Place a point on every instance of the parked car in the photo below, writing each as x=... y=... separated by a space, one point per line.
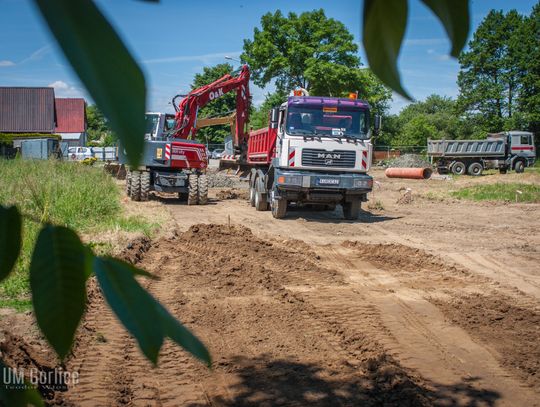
x=217 y=153
x=79 y=153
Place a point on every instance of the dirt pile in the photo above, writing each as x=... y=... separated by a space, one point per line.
x=402 y=258
x=513 y=331
x=233 y=194
x=220 y=179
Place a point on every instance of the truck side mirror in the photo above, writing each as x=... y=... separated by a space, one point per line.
x=377 y=124
x=274 y=118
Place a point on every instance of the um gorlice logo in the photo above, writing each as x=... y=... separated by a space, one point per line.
x=23 y=378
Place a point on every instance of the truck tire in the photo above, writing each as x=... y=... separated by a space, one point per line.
x=128 y=183
x=260 y=202
x=252 y=195
x=475 y=169
x=519 y=167
x=193 y=190
x=135 y=186
x=351 y=209
x=203 y=189
x=279 y=208
x=458 y=168
x=145 y=185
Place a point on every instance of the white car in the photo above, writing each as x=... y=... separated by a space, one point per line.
x=79 y=153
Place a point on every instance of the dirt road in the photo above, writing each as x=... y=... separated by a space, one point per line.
x=427 y=303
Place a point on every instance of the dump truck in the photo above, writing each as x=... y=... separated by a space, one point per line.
x=315 y=151
x=510 y=150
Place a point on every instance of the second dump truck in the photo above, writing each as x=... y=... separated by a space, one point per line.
x=510 y=150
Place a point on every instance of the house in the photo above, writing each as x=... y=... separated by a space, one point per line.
x=29 y=113
x=71 y=121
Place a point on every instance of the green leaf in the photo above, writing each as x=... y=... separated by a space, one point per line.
x=454 y=15
x=182 y=336
x=383 y=30
x=10 y=239
x=57 y=281
x=131 y=303
x=105 y=66
x=15 y=397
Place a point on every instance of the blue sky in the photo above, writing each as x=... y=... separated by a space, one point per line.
x=175 y=39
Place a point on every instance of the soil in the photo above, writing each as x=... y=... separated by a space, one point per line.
x=432 y=302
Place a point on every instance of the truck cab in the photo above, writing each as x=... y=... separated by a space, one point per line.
x=322 y=155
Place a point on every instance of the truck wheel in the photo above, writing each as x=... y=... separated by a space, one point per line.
x=351 y=210
x=458 y=168
x=260 y=202
x=193 y=190
x=279 y=208
x=145 y=185
x=128 y=183
x=519 y=167
x=135 y=186
x=475 y=169
x=252 y=193
x=203 y=189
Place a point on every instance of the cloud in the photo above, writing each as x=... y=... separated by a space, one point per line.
x=6 y=63
x=205 y=58
x=37 y=54
x=62 y=89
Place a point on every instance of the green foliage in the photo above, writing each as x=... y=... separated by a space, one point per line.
x=383 y=31
x=499 y=78
x=57 y=280
x=301 y=51
x=260 y=117
x=104 y=65
x=222 y=106
x=415 y=132
x=10 y=239
x=9 y=137
x=500 y=192
x=62 y=193
x=98 y=130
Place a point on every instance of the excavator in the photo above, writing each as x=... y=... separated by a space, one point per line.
x=173 y=162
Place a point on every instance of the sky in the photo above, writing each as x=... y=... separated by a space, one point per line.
x=174 y=39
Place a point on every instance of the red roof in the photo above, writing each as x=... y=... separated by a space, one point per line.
x=70 y=115
x=26 y=110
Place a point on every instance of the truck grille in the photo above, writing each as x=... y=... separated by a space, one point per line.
x=312 y=157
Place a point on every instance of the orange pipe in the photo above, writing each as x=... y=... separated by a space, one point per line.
x=411 y=173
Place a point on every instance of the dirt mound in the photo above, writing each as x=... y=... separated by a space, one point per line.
x=402 y=258
x=218 y=179
x=513 y=331
x=233 y=194
x=135 y=250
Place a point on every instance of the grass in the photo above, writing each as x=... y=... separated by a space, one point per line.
x=500 y=192
x=80 y=197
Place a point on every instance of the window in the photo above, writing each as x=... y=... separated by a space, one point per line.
x=525 y=140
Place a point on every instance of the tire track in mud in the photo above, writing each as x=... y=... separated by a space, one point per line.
x=283 y=330
x=424 y=339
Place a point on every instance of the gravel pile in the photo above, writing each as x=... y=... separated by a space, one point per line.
x=408 y=161
x=221 y=180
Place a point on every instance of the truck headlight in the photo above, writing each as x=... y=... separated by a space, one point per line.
x=363 y=183
x=290 y=179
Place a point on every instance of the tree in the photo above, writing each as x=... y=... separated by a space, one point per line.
x=416 y=132
x=221 y=106
x=489 y=79
x=260 y=116
x=302 y=51
x=98 y=129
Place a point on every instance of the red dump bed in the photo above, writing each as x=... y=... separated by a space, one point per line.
x=262 y=146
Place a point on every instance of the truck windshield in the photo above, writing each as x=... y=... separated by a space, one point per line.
x=332 y=121
x=152 y=121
